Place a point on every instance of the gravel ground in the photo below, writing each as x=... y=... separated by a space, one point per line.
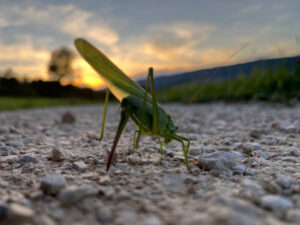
x=245 y=168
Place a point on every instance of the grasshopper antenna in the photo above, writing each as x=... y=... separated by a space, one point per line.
x=208 y=79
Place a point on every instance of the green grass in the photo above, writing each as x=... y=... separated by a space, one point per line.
x=13 y=103
x=273 y=86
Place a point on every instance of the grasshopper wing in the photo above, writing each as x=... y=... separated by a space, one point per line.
x=116 y=80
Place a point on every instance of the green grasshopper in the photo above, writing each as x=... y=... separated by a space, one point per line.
x=149 y=117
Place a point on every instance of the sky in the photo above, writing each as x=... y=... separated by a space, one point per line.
x=170 y=35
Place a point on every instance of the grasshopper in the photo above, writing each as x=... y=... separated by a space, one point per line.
x=149 y=117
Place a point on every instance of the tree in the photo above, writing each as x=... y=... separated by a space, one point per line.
x=60 y=65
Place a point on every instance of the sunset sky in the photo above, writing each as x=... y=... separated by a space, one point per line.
x=170 y=35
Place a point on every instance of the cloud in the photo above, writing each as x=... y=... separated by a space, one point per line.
x=24 y=54
x=24 y=59
x=67 y=19
x=251 y=9
x=172 y=40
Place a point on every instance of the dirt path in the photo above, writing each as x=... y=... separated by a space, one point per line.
x=245 y=168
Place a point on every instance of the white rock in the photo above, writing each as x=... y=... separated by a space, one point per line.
x=276 y=203
x=80 y=166
x=52 y=184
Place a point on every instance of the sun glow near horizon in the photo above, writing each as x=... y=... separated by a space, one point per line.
x=178 y=37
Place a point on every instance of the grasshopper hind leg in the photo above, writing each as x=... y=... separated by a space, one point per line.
x=136 y=139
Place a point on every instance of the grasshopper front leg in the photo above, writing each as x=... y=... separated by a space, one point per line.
x=122 y=123
x=103 y=119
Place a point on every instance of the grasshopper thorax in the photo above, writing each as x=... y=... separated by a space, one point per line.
x=141 y=113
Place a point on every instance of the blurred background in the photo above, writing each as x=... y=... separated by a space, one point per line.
x=183 y=40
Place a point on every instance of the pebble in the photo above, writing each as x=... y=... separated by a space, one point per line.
x=289 y=159
x=206 y=149
x=44 y=220
x=276 y=203
x=221 y=163
x=57 y=155
x=73 y=194
x=252 y=190
x=285 y=182
x=4 y=130
x=152 y=220
x=8 y=159
x=16 y=144
x=127 y=217
x=68 y=117
x=28 y=159
x=104 y=215
x=18 y=214
x=261 y=154
x=195 y=151
x=7 y=150
x=172 y=181
x=52 y=184
x=249 y=147
x=227 y=210
x=80 y=166
x=133 y=159
x=293 y=215
x=255 y=134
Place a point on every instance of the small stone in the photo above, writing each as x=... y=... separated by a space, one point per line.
x=57 y=155
x=230 y=211
x=4 y=130
x=104 y=180
x=261 y=154
x=255 y=134
x=80 y=166
x=7 y=150
x=293 y=215
x=276 y=203
x=152 y=220
x=67 y=166
x=36 y=195
x=104 y=215
x=16 y=144
x=250 y=147
x=290 y=128
x=238 y=145
x=252 y=190
x=68 y=118
x=52 y=184
x=8 y=159
x=133 y=159
x=195 y=151
x=127 y=217
x=222 y=163
x=272 y=187
x=27 y=140
x=44 y=220
x=28 y=159
x=289 y=159
x=173 y=181
x=206 y=149
x=19 y=214
x=285 y=182
x=74 y=193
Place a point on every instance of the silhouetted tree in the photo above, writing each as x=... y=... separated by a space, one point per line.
x=8 y=73
x=60 y=65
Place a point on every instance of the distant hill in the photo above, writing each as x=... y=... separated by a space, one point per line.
x=224 y=73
